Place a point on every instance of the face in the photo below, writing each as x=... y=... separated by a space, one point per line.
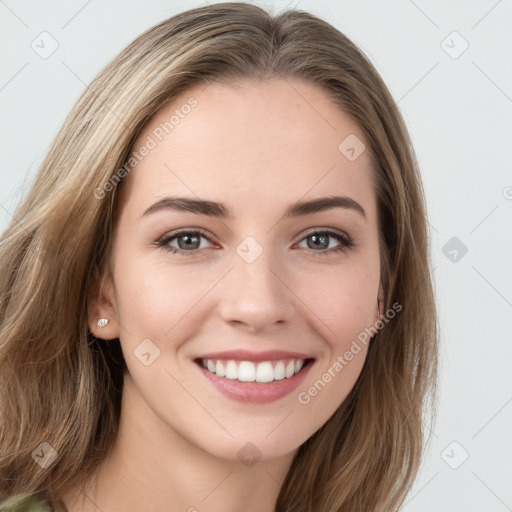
x=248 y=284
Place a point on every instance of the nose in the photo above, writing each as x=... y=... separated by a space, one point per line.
x=256 y=296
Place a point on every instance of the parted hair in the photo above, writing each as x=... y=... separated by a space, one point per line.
x=61 y=385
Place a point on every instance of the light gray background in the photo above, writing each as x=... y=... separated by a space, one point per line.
x=458 y=113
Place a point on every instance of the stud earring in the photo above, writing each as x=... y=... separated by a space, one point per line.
x=102 y=322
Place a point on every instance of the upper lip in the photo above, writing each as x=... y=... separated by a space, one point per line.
x=247 y=355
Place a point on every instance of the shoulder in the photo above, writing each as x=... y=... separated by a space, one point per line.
x=25 y=503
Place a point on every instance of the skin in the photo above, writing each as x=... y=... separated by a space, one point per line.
x=257 y=148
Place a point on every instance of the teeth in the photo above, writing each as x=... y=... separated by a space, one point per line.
x=290 y=369
x=219 y=369
x=231 y=370
x=247 y=371
x=264 y=372
x=279 y=372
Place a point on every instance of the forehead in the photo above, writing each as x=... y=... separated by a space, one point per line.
x=258 y=143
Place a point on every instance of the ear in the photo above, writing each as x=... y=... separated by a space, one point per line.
x=101 y=304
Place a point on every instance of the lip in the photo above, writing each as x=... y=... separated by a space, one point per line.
x=255 y=392
x=255 y=357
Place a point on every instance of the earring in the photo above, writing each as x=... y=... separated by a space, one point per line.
x=102 y=322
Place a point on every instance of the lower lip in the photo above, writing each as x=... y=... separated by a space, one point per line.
x=256 y=392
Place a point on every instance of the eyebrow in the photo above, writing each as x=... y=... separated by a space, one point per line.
x=220 y=210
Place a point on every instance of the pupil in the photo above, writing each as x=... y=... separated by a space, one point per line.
x=318 y=240
x=323 y=239
x=188 y=239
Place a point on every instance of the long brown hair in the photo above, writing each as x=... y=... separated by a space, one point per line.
x=60 y=386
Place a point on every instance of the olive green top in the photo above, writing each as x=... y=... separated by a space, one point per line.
x=27 y=503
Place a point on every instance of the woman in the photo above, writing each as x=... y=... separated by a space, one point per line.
x=216 y=294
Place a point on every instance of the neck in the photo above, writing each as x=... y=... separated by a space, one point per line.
x=153 y=467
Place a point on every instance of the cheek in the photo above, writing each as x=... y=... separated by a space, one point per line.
x=163 y=303
x=345 y=307
x=344 y=301
x=153 y=299
x=170 y=305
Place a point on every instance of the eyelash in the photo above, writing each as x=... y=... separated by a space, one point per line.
x=346 y=242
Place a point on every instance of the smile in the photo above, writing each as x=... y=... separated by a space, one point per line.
x=254 y=377
x=248 y=371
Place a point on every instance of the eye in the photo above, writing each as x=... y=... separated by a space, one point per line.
x=320 y=240
x=188 y=242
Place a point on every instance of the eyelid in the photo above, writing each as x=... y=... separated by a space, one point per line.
x=346 y=241
x=176 y=233
x=314 y=230
x=208 y=235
